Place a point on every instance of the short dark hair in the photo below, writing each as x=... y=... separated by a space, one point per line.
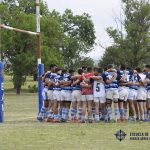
x=80 y=71
x=64 y=70
x=138 y=70
x=57 y=69
x=109 y=66
x=84 y=67
x=99 y=70
x=147 y=66
x=122 y=66
x=52 y=66
x=71 y=71
x=89 y=69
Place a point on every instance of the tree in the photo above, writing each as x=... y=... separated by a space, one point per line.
x=83 y=61
x=63 y=38
x=20 y=50
x=132 y=46
x=79 y=36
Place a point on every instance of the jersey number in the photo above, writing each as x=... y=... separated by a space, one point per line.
x=98 y=87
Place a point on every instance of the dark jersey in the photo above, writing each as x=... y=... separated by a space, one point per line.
x=124 y=74
x=148 y=77
x=66 y=77
x=57 y=80
x=50 y=77
x=108 y=76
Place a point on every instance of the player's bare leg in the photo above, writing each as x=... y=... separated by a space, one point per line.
x=136 y=105
x=141 y=110
x=84 y=107
x=145 y=111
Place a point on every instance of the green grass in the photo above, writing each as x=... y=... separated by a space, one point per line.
x=21 y=131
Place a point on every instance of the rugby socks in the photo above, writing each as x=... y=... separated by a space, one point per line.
x=89 y=119
x=79 y=113
x=73 y=113
x=145 y=116
x=97 y=119
x=49 y=114
x=83 y=118
x=93 y=112
x=109 y=112
x=116 y=114
x=65 y=113
x=100 y=113
x=56 y=116
x=142 y=117
x=43 y=112
x=60 y=112
x=121 y=110
x=125 y=113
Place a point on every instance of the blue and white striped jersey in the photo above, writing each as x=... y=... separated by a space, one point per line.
x=108 y=76
x=123 y=74
x=50 y=76
x=134 y=78
x=148 y=77
x=66 y=77
x=57 y=80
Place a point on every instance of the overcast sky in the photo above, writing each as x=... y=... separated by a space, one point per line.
x=103 y=14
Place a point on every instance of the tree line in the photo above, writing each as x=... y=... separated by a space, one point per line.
x=63 y=38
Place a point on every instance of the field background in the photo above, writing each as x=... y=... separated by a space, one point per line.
x=21 y=131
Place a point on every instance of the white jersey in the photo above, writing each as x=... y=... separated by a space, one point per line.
x=98 y=89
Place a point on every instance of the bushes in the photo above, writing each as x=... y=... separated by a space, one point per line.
x=33 y=88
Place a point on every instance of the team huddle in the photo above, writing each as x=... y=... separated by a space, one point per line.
x=87 y=95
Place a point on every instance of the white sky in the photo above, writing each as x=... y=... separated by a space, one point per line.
x=103 y=14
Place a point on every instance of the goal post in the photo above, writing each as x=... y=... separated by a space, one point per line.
x=40 y=65
x=1 y=93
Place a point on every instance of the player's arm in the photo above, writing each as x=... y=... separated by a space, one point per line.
x=49 y=83
x=76 y=77
x=83 y=84
x=146 y=81
x=75 y=82
x=65 y=83
x=97 y=78
x=112 y=70
x=109 y=81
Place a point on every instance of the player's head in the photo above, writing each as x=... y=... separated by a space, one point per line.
x=98 y=71
x=138 y=70
x=147 y=68
x=110 y=66
x=122 y=67
x=52 y=67
x=58 y=71
x=89 y=69
x=80 y=71
x=84 y=68
x=64 y=71
x=71 y=72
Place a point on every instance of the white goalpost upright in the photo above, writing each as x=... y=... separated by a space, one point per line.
x=40 y=65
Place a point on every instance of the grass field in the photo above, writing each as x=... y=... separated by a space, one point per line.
x=21 y=131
